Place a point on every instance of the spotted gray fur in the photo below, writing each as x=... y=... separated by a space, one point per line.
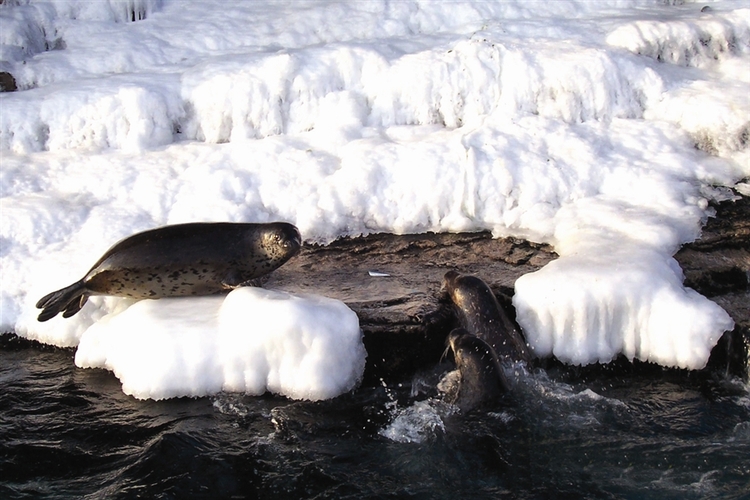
x=180 y=260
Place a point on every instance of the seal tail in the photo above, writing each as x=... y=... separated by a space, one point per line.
x=68 y=300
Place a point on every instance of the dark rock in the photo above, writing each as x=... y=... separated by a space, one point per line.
x=731 y=355
x=7 y=82
x=403 y=319
x=717 y=265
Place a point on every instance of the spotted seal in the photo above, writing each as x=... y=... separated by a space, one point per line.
x=479 y=379
x=180 y=260
x=481 y=315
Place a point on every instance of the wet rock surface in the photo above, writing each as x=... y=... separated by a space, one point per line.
x=718 y=266
x=393 y=284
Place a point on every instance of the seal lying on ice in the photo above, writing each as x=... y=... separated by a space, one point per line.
x=180 y=260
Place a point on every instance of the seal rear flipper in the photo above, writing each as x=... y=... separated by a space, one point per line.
x=75 y=306
x=69 y=299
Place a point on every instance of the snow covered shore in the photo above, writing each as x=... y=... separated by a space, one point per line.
x=601 y=128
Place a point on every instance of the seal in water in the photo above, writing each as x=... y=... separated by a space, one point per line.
x=200 y=258
x=480 y=378
x=481 y=315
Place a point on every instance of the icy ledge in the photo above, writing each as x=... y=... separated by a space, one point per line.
x=616 y=289
x=641 y=310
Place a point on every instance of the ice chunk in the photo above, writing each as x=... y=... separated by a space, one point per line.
x=251 y=340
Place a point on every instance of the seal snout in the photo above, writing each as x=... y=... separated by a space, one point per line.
x=451 y=342
x=283 y=237
x=292 y=238
x=454 y=338
x=295 y=238
x=448 y=286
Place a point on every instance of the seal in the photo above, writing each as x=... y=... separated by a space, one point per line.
x=481 y=315
x=480 y=379
x=180 y=260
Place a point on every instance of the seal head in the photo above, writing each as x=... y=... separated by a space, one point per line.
x=481 y=315
x=480 y=380
x=180 y=260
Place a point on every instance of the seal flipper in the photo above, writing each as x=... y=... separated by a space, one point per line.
x=234 y=280
x=68 y=300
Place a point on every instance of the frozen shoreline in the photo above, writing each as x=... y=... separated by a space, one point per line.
x=603 y=129
x=405 y=322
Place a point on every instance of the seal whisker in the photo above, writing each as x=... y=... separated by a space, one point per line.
x=445 y=353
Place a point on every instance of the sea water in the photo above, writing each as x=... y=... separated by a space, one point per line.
x=67 y=432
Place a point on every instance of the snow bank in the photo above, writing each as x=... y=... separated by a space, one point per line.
x=602 y=128
x=700 y=40
x=714 y=111
x=26 y=32
x=251 y=341
x=570 y=312
x=119 y=11
x=127 y=117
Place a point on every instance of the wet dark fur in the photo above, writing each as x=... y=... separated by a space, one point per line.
x=180 y=260
x=482 y=381
x=481 y=315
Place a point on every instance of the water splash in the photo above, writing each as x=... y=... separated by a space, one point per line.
x=418 y=423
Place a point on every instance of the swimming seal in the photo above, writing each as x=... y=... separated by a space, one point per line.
x=481 y=315
x=180 y=260
x=481 y=380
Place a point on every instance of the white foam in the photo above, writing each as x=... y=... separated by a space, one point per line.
x=418 y=423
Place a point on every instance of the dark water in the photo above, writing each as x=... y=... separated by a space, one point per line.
x=71 y=433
